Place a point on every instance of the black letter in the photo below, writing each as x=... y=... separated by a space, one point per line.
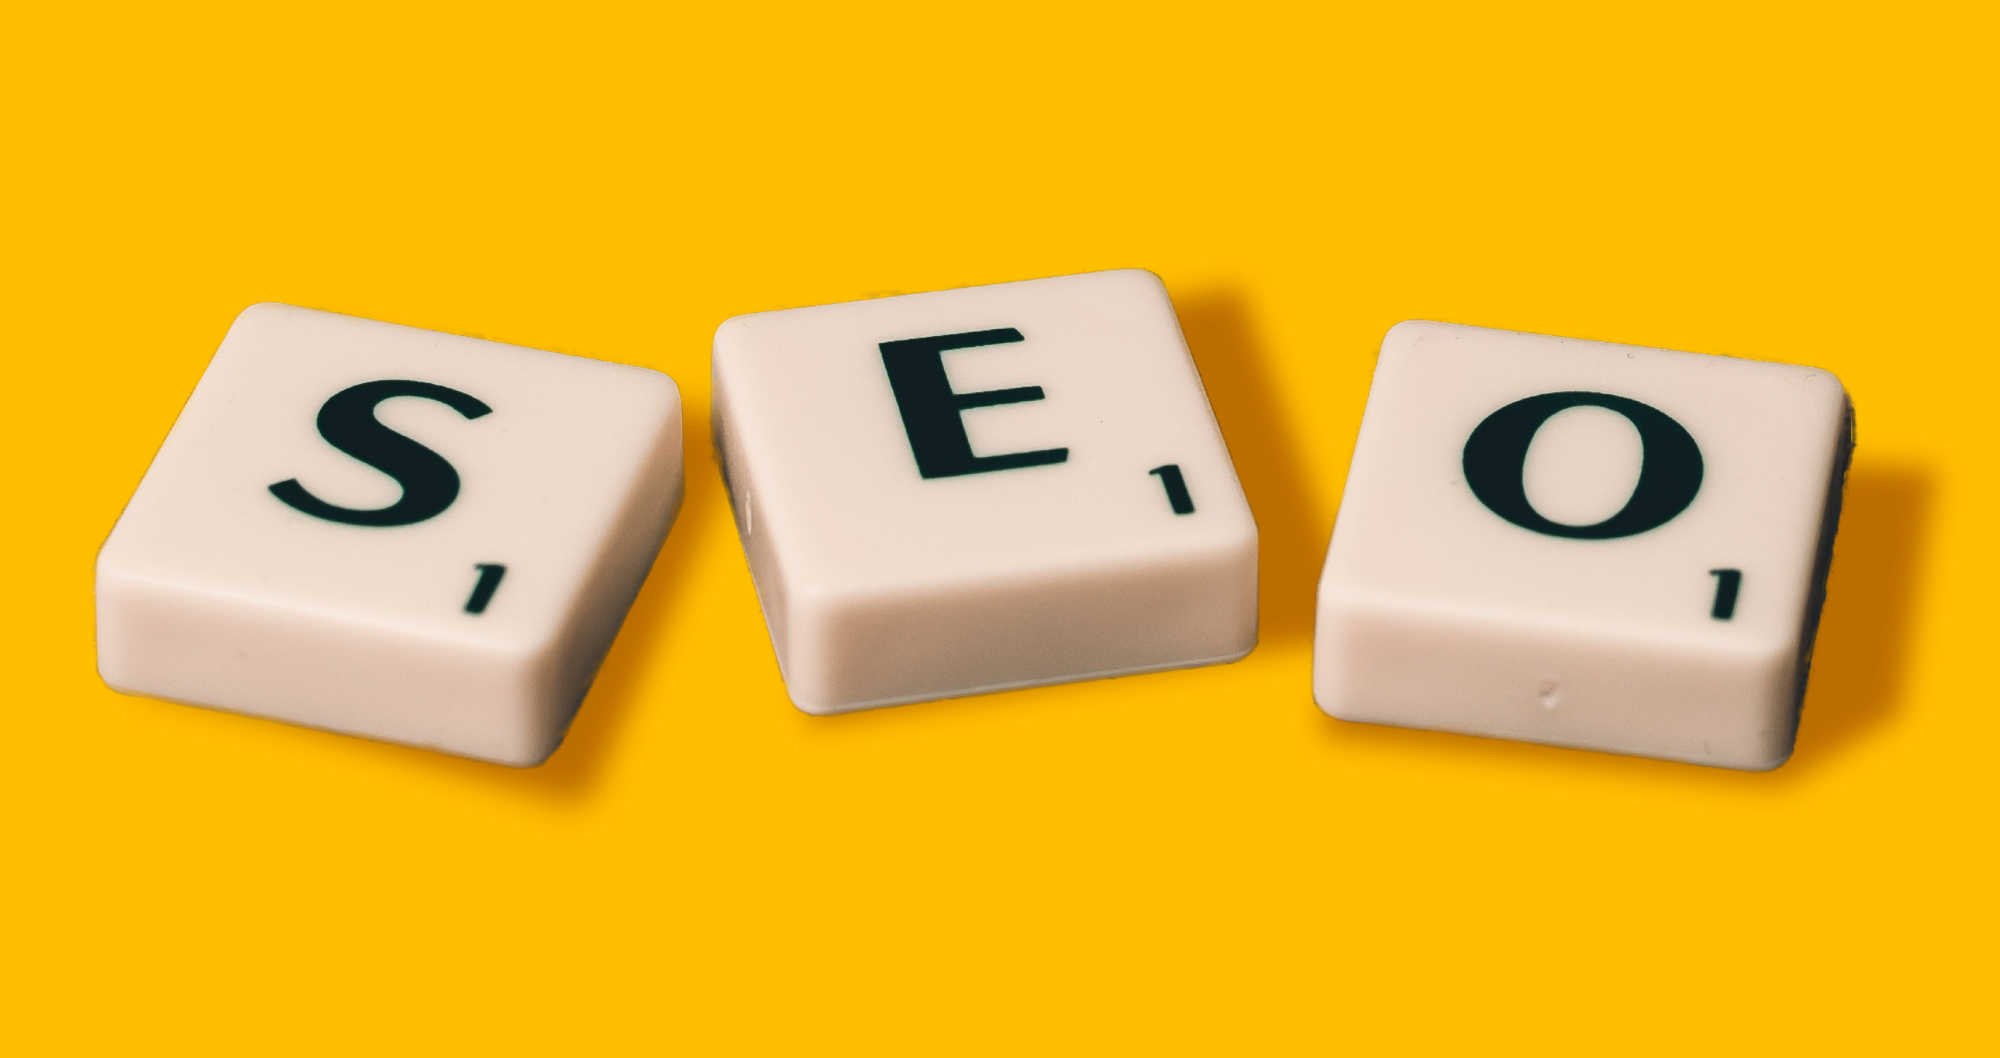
x=347 y=421
x=1669 y=470
x=931 y=410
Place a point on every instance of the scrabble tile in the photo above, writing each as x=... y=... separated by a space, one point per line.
x=390 y=532
x=1583 y=544
x=965 y=491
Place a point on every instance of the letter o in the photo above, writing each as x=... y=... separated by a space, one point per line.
x=1670 y=467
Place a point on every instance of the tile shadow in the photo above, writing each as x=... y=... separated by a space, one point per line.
x=1291 y=539
x=577 y=761
x=1860 y=658
x=573 y=769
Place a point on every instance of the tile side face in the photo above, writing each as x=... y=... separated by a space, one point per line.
x=1581 y=501
x=950 y=492
x=392 y=532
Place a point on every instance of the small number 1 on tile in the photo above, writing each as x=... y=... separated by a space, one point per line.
x=1727 y=581
x=489 y=582
x=1177 y=493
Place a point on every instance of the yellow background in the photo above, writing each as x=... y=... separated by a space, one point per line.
x=1186 y=862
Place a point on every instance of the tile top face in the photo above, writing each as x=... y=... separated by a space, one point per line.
x=973 y=435
x=366 y=470
x=1602 y=499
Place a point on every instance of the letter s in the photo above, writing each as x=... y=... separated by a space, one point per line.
x=347 y=421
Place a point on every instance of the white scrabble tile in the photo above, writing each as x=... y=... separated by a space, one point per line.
x=965 y=491
x=1584 y=544
x=390 y=532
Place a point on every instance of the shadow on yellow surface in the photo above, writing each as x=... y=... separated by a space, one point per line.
x=1864 y=632
x=576 y=763
x=1290 y=540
